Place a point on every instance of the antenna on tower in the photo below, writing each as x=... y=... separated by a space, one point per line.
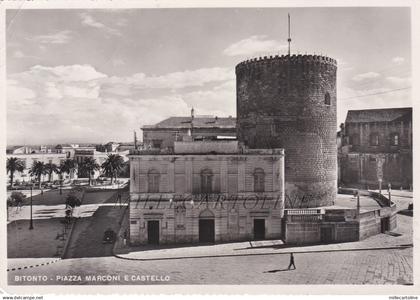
x=289 y=40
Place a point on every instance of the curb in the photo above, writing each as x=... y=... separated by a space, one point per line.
x=255 y=254
x=34 y=266
x=66 y=245
x=126 y=209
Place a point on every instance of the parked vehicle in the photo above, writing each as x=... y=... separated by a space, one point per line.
x=109 y=236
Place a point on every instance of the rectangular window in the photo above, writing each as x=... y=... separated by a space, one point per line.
x=206 y=184
x=153 y=183
x=374 y=140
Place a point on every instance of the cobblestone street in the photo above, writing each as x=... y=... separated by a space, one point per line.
x=323 y=266
x=339 y=267
x=380 y=259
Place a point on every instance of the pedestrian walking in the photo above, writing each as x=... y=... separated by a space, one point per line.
x=292 y=262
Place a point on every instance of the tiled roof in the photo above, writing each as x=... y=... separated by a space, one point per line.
x=198 y=122
x=378 y=115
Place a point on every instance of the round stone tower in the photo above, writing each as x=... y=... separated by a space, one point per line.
x=290 y=102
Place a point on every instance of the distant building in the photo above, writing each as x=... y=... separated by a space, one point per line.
x=99 y=156
x=28 y=160
x=163 y=134
x=376 y=146
x=189 y=196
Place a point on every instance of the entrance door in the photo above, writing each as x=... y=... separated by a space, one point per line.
x=153 y=232
x=259 y=229
x=385 y=224
x=326 y=234
x=206 y=231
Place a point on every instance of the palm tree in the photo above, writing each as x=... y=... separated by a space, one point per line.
x=37 y=170
x=14 y=165
x=112 y=165
x=89 y=166
x=68 y=166
x=50 y=168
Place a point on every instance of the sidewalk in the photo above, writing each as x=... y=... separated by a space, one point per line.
x=398 y=239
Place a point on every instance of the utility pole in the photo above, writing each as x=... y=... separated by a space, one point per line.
x=31 y=222
x=289 y=40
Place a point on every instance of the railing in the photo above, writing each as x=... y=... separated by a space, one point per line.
x=302 y=212
x=304 y=218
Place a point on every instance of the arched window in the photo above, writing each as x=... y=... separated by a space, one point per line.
x=327 y=99
x=153 y=178
x=206 y=181
x=395 y=139
x=259 y=180
x=374 y=139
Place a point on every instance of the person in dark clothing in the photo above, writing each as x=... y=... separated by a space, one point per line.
x=292 y=262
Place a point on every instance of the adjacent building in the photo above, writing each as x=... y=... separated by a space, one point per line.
x=206 y=191
x=163 y=134
x=376 y=148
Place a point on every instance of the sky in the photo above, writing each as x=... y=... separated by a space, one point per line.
x=97 y=75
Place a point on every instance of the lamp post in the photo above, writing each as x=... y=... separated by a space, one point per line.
x=380 y=186
x=31 y=222
x=389 y=193
x=358 y=203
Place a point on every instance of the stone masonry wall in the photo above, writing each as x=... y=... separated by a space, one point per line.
x=290 y=102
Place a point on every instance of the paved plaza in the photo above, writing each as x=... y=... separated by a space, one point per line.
x=381 y=259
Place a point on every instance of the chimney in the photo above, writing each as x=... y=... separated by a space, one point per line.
x=192 y=113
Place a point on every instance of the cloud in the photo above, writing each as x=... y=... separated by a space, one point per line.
x=399 y=82
x=398 y=60
x=371 y=98
x=18 y=54
x=175 y=80
x=117 y=62
x=343 y=65
x=81 y=104
x=67 y=73
x=88 y=20
x=364 y=76
x=61 y=37
x=254 y=44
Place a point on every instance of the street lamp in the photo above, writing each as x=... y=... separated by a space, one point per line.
x=380 y=185
x=31 y=222
x=61 y=184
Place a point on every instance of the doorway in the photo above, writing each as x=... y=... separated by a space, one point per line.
x=259 y=229
x=206 y=230
x=384 y=225
x=153 y=232
x=326 y=235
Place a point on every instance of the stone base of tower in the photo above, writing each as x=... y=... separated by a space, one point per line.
x=308 y=195
x=343 y=222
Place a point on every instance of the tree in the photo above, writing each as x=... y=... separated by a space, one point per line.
x=15 y=199
x=68 y=166
x=50 y=168
x=14 y=165
x=71 y=201
x=112 y=165
x=37 y=170
x=89 y=166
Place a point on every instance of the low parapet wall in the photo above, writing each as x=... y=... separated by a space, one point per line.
x=312 y=226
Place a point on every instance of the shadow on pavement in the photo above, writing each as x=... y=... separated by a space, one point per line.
x=406 y=212
x=275 y=271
